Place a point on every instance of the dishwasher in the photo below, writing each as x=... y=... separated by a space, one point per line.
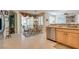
x=51 y=34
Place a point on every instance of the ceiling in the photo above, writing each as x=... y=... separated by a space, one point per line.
x=61 y=12
x=53 y=12
x=32 y=11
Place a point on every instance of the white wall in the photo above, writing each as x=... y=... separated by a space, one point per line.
x=18 y=22
x=46 y=18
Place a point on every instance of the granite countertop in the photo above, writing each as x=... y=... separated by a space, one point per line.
x=65 y=27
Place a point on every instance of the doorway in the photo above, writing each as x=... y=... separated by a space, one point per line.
x=12 y=22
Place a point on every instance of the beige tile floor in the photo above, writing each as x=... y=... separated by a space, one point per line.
x=39 y=41
x=18 y=41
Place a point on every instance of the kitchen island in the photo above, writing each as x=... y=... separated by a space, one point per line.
x=63 y=34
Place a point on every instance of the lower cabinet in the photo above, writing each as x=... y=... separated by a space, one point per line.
x=74 y=40
x=61 y=37
x=68 y=38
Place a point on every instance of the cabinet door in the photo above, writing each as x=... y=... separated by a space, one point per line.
x=61 y=36
x=74 y=40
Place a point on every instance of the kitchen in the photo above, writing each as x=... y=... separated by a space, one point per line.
x=66 y=31
x=40 y=29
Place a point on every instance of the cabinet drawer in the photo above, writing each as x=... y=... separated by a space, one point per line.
x=69 y=30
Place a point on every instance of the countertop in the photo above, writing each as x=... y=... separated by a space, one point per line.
x=64 y=27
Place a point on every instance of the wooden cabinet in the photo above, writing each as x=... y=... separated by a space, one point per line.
x=61 y=37
x=74 y=40
x=67 y=37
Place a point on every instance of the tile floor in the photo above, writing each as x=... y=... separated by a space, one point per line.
x=18 y=41
x=39 y=41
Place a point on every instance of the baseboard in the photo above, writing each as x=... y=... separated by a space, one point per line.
x=62 y=43
x=51 y=40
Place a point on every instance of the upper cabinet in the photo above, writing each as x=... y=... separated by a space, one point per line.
x=77 y=18
x=71 y=19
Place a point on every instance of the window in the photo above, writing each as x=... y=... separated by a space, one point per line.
x=41 y=20
x=60 y=19
x=28 y=22
x=51 y=19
